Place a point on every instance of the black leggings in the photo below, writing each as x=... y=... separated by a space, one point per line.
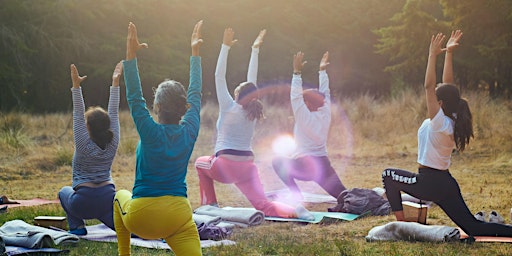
x=441 y=188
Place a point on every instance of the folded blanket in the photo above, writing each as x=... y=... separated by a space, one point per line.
x=207 y=220
x=239 y=216
x=413 y=231
x=19 y=233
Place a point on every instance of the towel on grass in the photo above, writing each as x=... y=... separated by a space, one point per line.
x=22 y=234
x=413 y=231
x=207 y=220
x=102 y=233
x=242 y=217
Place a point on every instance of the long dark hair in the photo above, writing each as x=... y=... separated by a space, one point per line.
x=249 y=99
x=98 y=125
x=170 y=102
x=457 y=109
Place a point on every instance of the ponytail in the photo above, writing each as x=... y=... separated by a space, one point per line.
x=254 y=109
x=463 y=130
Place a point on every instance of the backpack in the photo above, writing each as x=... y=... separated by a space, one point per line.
x=360 y=200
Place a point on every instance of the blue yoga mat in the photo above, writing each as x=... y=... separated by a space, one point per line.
x=323 y=217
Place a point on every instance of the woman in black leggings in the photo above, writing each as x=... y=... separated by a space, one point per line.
x=449 y=126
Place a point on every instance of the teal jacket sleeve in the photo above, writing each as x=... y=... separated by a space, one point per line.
x=192 y=116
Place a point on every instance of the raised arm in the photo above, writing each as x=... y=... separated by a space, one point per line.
x=113 y=102
x=196 y=39
x=80 y=133
x=221 y=85
x=452 y=43
x=252 y=72
x=296 y=98
x=323 y=78
x=195 y=82
x=430 y=74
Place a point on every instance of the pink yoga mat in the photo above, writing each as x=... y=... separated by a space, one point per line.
x=31 y=202
x=496 y=239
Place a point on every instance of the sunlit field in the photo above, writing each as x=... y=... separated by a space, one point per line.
x=366 y=136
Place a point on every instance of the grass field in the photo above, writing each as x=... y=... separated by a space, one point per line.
x=366 y=136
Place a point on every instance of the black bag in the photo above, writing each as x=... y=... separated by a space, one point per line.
x=360 y=200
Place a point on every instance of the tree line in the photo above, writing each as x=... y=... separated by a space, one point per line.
x=376 y=47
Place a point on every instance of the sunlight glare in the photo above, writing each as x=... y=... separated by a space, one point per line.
x=284 y=145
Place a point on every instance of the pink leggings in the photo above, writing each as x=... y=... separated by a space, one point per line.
x=244 y=174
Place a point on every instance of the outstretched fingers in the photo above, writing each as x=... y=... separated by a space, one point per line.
x=453 y=42
x=229 y=35
x=325 y=61
x=117 y=74
x=435 y=43
x=76 y=79
x=132 y=42
x=196 y=40
x=259 y=40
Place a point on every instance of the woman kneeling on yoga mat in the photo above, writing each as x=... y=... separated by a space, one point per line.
x=159 y=207
x=96 y=136
x=449 y=126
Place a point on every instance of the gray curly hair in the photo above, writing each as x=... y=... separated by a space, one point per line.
x=170 y=102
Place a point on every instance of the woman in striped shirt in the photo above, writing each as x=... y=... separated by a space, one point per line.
x=96 y=137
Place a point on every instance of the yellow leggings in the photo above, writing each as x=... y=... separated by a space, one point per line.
x=167 y=217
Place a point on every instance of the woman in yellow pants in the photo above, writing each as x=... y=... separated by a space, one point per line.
x=159 y=207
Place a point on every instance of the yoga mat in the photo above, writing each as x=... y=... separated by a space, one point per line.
x=323 y=217
x=281 y=195
x=15 y=250
x=32 y=202
x=495 y=239
x=102 y=233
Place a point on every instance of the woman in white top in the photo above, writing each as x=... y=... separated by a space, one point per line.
x=449 y=126
x=233 y=161
x=312 y=113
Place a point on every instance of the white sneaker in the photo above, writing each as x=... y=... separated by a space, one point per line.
x=496 y=217
x=480 y=216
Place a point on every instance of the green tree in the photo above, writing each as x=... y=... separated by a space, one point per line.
x=406 y=41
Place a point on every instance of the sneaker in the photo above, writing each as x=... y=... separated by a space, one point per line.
x=496 y=217
x=78 y=231
x=480 y=216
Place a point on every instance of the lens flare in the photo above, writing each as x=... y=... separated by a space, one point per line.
x=284 y=145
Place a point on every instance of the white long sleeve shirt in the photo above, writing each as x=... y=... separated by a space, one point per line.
x=311 y=128
x=234 y=130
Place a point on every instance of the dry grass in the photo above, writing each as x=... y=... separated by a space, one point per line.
x=367 y=135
